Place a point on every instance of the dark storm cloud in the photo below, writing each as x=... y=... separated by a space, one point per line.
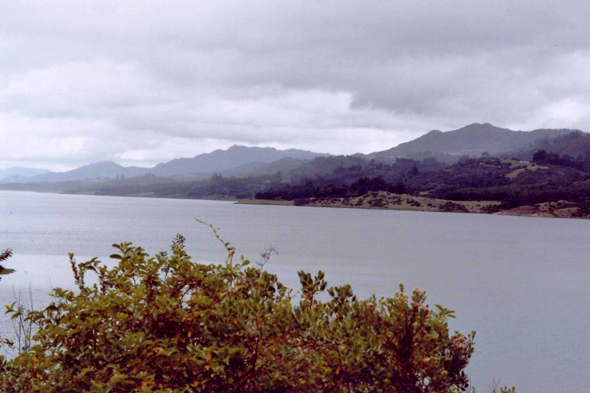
x=146 y=81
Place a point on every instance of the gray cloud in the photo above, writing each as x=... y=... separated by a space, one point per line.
x=142 y=82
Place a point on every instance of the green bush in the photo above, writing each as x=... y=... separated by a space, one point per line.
x=167 y=324
x=4 y=255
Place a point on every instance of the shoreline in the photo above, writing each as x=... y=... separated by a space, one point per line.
x=382 y=200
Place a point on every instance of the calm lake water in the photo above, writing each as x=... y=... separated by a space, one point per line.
x=522 y=283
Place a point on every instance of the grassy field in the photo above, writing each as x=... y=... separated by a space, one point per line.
x=520 y=166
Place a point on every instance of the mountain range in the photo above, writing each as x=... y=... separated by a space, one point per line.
x=472 y=140
x=241 y=161
x=217 y=161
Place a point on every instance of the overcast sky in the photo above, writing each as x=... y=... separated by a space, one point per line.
x=146 y=81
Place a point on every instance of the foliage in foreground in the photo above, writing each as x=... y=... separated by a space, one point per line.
x=172 y=325
x=4 y=255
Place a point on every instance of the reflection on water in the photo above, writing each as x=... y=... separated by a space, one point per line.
x=521 y=283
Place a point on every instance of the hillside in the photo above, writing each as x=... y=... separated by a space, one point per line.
x=284 y=165
x=576 y=144
x=488 y=185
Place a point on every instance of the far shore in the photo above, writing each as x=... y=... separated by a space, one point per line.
x=388 y=201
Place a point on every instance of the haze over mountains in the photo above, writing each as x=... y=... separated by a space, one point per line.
x=19 y=174
x=217 y=161
x=471 y=140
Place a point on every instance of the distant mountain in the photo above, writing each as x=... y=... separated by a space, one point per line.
x=471 y=140
x=107 y=169
x=17 y=174
x=198 y=167
x=222 y=160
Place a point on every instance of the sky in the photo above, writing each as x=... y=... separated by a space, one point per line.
x=146 y=81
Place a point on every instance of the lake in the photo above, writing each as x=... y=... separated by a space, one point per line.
x=522 y=283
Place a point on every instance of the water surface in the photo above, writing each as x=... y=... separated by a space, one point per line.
x=521 y=283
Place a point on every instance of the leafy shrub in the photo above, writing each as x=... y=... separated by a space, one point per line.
x=4 y=255
x=168 y=324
